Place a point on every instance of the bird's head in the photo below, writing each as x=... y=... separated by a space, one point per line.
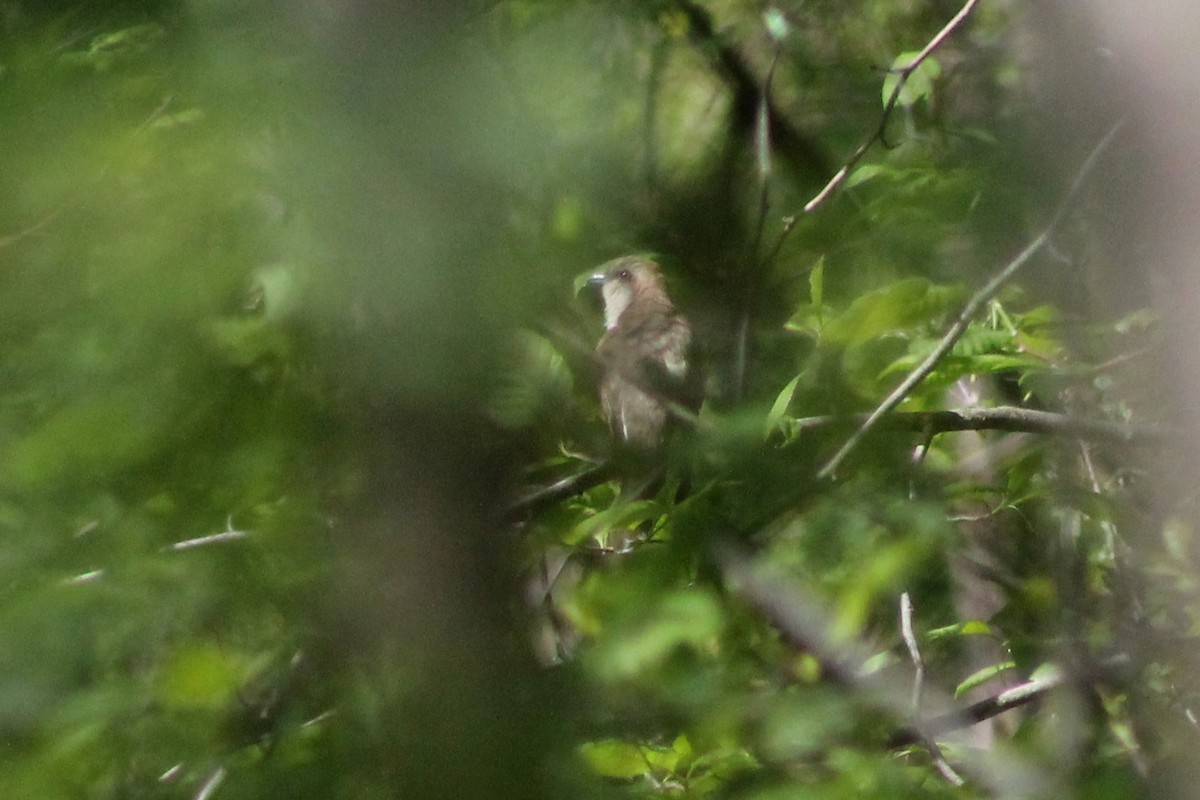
x=623 y=279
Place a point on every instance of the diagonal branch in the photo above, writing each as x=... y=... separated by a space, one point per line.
x=881 y=130
x=571 y=486
x=977 y=301
x=1013 y=697
x=878 y=136
x=800 y=621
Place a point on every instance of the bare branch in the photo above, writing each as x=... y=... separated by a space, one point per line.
x=914 y=652
x=985 y=709
x=1001 y=418
x=570 y=486
x=1013 y=697
x=212 y=783
x=799 y=619
x=973 y=306
x=203 y=541
x=881 y=131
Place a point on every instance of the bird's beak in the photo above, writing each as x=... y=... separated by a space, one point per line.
x=590 y=286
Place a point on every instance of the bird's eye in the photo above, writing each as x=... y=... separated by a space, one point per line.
x=624 y=275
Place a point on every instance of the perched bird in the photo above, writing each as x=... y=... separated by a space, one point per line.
x=646 y=377
x=647 y=374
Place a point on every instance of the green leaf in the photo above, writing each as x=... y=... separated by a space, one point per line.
x=919 y=85
x=568 y=218
x=777 y=24
x=95 y=436
x=199 y=676
x=951 y=369
x=244 y=341
x=816 y=283
x=620 y=516
x=580 y=281
x=892 y=308
x=805 y=722
x=972 y=627
x=537 y=383
x=982 y=676
x=863 y=174
x=780 y=407
x=613 y=758
x=689 y=618
x=1046 y=672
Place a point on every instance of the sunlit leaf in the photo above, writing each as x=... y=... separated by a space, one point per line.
x=919 y=85
x=689 y=618
x=779 y=408
x=613 y=758
x=199 y=676
x=982 y=676
x=895 y=307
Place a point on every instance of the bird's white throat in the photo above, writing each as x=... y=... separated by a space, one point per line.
x=616 y=299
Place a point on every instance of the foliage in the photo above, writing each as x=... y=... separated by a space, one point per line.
x=289 y=319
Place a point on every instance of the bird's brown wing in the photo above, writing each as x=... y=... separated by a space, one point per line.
x=648 y=373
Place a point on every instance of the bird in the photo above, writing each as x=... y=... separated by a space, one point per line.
x=648 y=375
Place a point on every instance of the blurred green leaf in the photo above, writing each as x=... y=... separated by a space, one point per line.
x=199 y=676
x=780 y=407
x=896 y=307
x=982 y=676
x=689 y=618
x=919 y=85
x=612 y=758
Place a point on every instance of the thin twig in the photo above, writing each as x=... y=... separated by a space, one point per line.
x=212 y=783
x=905 y=73
x=1123 y=358
x=977 y=301
x=203 y=541
x=880 y=132
x=914 y=652
x=799 y=619
x=13 y=238
x=985 y=709
x=762 y=148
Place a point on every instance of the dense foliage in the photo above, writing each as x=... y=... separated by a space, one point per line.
x=304 y=489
